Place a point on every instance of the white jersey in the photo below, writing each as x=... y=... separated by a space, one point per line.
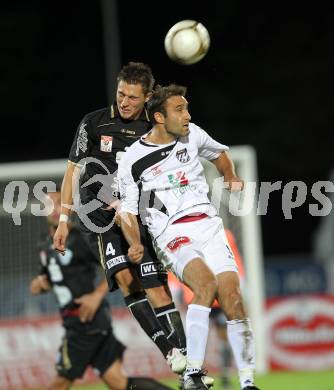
x=163 y=183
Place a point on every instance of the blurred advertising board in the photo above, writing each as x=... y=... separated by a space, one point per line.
x=28 y=351
x=300 y=332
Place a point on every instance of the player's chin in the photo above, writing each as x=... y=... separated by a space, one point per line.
x=186 y=133
x=127 y=114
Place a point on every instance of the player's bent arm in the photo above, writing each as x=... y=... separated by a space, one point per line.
x=128 y=210
x=130 y=227
x=225 y=166
x=130 y=230
x=69 y=182
x=89 y=303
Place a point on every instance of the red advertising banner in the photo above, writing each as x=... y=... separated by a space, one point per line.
x=28 y=350
x=300 y=332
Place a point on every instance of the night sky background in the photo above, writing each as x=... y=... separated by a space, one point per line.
x=266 y=81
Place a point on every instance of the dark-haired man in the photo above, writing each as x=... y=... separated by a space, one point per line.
x=188 y=234
x=88 y=338
x=101 y=139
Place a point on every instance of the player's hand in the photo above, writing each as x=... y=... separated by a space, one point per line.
x=113 y=205
x=118 y=219
x=136 y=253
x=89 y=303
x=234 y=183
x=39 y=284
x=60 y=237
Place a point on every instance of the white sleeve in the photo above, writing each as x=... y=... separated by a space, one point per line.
x=128 y=188
x=208 y=148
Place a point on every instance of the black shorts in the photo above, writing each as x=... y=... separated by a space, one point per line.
x=111 y=249
x=80 y=350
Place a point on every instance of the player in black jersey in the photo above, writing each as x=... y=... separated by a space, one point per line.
x=88 y=339
x=100 y=141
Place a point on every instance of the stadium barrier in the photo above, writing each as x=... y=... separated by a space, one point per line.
x=29 y=350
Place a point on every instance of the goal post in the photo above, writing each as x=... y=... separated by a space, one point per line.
x=247 y=232
x=18 y=253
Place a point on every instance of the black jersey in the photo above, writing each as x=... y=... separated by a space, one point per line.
x=72 y=276
x=101 y=139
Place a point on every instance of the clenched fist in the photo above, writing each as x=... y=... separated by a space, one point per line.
x=136 y=253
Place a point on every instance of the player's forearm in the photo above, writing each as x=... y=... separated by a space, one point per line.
x=130 y=228
x=225 y=165
x=70 y=180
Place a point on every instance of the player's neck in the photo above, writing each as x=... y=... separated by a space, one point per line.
x=160 y=136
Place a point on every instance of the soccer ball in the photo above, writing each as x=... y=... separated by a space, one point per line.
x=187 y=42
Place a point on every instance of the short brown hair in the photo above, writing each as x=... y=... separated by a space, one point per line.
x=137 y=73
x=157 y=102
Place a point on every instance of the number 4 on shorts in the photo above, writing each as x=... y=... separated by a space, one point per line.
x=110 y=249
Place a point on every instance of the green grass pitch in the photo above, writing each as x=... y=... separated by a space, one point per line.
x=323 y=380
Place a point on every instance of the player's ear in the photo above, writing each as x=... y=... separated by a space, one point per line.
x=148 y=96
x=159 y=117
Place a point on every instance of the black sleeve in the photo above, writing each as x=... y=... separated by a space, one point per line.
x=43 y=269
x=41 y=250
x=83 y=141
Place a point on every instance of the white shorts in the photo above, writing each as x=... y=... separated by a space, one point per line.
x=205 y=238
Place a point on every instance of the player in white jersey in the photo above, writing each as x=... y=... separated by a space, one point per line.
x=162 y=179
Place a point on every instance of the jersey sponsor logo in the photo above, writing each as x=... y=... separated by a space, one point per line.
x=106 y=143
x=115 y=261
x=182 y=155
x=127 y=131
x=156 y=170
x=158 y=334
x=82 y=140
x=166 y=153
x=152 y=269
x=175 y=244
x=179 y=179
x=180 y=184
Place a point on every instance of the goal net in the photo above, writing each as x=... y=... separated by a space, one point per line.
x=21 y=230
